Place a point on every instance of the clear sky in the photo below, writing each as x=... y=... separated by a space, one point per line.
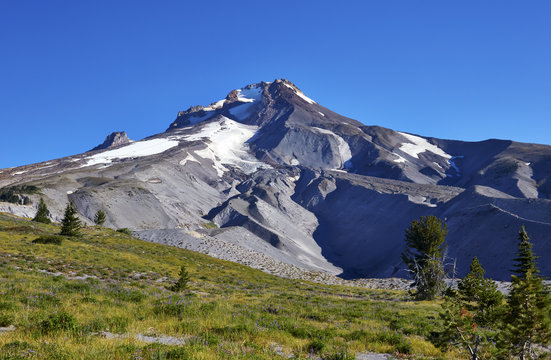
x=71 y=71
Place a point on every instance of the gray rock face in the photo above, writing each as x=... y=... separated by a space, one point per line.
x=284 y=180
x=112 y=140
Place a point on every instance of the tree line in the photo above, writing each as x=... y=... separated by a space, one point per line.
x=70 y=224
x=476 y=316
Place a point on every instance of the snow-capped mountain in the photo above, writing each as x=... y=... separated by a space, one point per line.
x=287 y=180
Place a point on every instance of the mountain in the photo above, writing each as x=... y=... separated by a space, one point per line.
x=268 y=177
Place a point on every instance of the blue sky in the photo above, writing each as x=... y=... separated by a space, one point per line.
x=71 y=72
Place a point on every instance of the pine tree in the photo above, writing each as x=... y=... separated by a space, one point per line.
x=181 y=284
x=99 y=218
x=480 y=295
x=527 y=318
x=70 y=225
x=471 y=314
x=42 y=215
x=425 y=241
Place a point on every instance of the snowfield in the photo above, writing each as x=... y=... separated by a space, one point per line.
x=134 y=150
x=226 y=142
x=419 y=145
x=243 y=111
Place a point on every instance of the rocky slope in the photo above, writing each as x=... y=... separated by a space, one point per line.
x=286 y=179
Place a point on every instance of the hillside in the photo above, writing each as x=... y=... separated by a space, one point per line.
x=270 y=178
x=104 y=295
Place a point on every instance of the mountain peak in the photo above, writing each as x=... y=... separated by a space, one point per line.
x=112 y=140
x=244 y=104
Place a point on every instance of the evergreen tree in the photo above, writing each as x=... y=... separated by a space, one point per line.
x=70 y=225
x=527 y=318
x=42 y=215
x=181 y=284
x=99 y=218
x=471 y=314
x=480 y=295
x=424 y=255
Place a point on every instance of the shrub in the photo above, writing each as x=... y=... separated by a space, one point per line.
x=48 y=239
x=316 y=346
x=404 y=347
x=179 y=352
x=210 y=225
x=60 y=321
x=126 y=295
x=6 y=306
x=97 y=324
x=339 y=355
x=125 y=231
x=6 y=320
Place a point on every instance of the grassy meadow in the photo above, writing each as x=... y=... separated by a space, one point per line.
x=104 y=295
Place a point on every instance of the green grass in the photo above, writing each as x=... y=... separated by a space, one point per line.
x=63 y=298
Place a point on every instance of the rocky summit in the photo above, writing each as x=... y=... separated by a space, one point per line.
x=112 y=140
x=272 y=179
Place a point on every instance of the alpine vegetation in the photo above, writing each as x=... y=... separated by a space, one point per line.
x=424 y=256
x=71 y=224
x=527 y=321
x=42 y=214
x=99 y=218
x=310 y=207
x=471 y=315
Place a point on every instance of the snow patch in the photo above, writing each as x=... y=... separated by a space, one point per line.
x=294 y=162
x=241 y=112
x=300 y=94
x=528 y=163
x=399 y=159
x=45 y=167
x=421 y=200
x=226 y=142
x=418 y=145
x=344 y=148
x=215 y=106
x=19 y=172
x=322 y=114
x=189 y=157
x=137 y=149
x=249 y=95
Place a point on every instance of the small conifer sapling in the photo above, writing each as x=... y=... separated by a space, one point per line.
x=99 y=218
x=42 y=215
x=182 y=282
x=70 y=225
